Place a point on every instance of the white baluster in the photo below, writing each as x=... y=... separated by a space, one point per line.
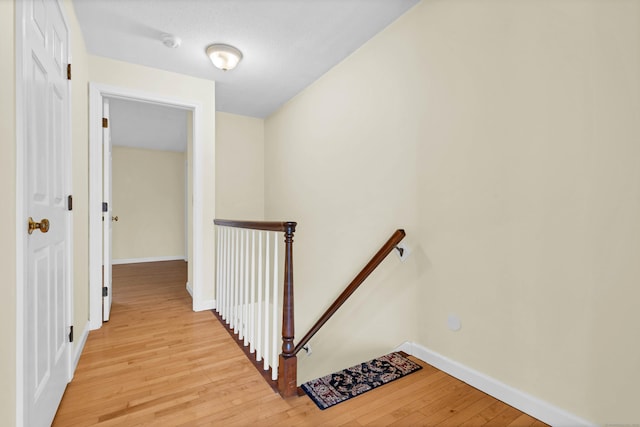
x=274 y=330
x=242 y=261
x=218 y=268
x=245 y=306
x=267 y=278
x=225 y=271
x=252 y=324
x=229 y=275
x=236 y=283
x=231 y=272
x=230 y=320
x=259 y=301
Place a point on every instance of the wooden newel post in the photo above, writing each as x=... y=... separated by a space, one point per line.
x=288 y=366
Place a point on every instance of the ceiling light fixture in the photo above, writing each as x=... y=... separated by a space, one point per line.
x=223 y=56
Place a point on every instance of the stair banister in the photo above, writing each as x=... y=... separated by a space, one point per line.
x=287 y=360
x=287 y=366
x=385 y=250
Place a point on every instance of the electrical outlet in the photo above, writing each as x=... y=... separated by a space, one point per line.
x=453 y=322
x=307 y=348
x=403 y=251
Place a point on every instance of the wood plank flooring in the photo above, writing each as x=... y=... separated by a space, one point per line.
x=156 y=362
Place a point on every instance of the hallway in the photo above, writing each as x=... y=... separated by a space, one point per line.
x=156 y=362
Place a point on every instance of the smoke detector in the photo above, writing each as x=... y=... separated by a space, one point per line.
x=171 y=41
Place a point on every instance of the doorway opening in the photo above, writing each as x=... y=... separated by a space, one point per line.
x=192 y=217
x=148 y=180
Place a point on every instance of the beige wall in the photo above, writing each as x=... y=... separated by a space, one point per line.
x=8 y=213
x=176 y=86
x=149 y=199
x=239 y=167
x=338 y=163
x=504 y=137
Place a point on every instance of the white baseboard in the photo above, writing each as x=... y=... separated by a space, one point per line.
x=518 y=399
x=200 y=305
x=204 y=305
x=150 y=259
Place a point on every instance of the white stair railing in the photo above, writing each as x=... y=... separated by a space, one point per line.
x=247 y=289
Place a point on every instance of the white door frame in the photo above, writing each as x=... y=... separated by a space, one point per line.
x=107 y=222
x=96 y=93
x=21 y=215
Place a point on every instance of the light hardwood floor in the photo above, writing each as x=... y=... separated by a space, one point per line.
x=156 y=362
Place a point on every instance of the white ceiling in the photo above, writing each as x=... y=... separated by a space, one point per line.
x=287 y=44
x=149 y=126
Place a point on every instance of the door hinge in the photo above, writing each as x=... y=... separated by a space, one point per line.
x=105 y=207
x=71 y=333
x=68 y=71
x=70 y=203
x=105 y=291
x=105 y=122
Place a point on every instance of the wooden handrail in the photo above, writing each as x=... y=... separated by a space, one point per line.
x=257 y=225
x=385 y=250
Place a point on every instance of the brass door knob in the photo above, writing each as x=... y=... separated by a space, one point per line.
x=114 y=218
x=42 y=225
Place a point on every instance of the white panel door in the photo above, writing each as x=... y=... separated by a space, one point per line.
x=46 y=187
x=107 y=219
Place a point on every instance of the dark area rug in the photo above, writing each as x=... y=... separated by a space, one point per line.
x=351 y=382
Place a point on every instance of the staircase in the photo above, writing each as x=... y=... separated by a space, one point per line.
x=248 y=294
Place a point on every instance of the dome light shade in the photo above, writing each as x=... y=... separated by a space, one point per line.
x=223 y=56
